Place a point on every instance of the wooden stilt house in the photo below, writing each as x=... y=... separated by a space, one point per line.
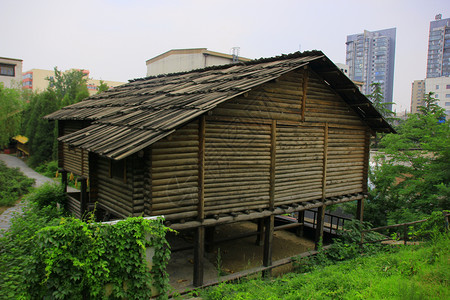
x=223 y=144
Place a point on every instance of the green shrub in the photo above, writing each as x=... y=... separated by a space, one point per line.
x=13 y=185
x=48 y=169
x=49 y=194
x=47 y=255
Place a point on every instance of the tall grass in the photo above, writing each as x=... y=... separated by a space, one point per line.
x=411 y=272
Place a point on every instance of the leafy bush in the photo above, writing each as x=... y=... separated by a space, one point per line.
x=47 y=255
x=13 y=185
x=48 y=194
x=48 y=169
x=343 y=248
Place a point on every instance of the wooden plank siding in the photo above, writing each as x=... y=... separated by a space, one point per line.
x=247 y=137
x=113 y=193
x=74 y=160
x=174 y=173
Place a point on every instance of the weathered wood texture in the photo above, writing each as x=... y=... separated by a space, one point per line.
x=113 y=193
x=247 y=137
x=74 y=160
x=174 y=173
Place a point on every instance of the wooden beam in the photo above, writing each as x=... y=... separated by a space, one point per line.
x=260 y=235
x=360 y=210
x=273 y=154
x=83 y=196
x=201 y=168
x=199 y=252
x=360 y=104
x=300 y=220
x=325 y=161
x=304 y=87
x=319 y=226
x=209 y=237
x=268 y=241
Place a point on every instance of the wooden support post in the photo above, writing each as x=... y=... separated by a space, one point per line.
x=199 y=252
x=319 y=227
x=300 y=219
x=63 y=179
x=325 y=162
x=366 y=161
x=305 y=88
x=268 y=240
x=201 y=168
x=273 y=154
x=260 y=235
x=209 y=236
x=83 y=196
x=360 y=210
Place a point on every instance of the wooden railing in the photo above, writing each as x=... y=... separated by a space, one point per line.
x=331 y=222
x=404 y=230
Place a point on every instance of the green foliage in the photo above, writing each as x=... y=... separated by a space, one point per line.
x=408 y=273
x=11 y=106
x=377 y=99
x=48 y=195
x=48 y=169
x=13 y=185
x=41 y=133
x=343 y=248
x=433 y=227
x=17 y=249
x=102 y=87
x=70 y=87
x=412 y=175
x=47 y=255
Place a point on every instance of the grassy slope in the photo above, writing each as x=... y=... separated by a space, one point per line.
x=413 y=272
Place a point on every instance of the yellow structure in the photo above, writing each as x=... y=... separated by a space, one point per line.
x=35 y=80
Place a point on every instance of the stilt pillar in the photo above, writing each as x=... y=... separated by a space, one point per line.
x=268 y=241
x=260 y=235
x=199 y=252
x=360 y=210
x=300 y=219
x=319 y=226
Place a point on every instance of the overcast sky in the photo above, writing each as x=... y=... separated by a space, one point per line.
x=114 y=38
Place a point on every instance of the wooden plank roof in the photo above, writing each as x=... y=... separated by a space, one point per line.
x=133 y=116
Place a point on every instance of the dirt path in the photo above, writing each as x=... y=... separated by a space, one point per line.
x=14 y=162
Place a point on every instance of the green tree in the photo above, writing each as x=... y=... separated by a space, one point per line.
x=70 y=87
x=41 y=133
x=376 y=97
x=102 y=87
x=11 y=106
x=412 y=177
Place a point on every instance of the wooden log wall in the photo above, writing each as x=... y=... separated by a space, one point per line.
x=174 y=173
x=237 y=166
x=299 y=164
x=301 y=129
x=115 y=194
x=74 y=160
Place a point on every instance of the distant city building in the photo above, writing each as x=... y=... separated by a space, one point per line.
x=440 y=86
x=10 y=71
x=370 y=57
x=36 y=80
x=417 y=95
x=438 y=61
x=181 y=60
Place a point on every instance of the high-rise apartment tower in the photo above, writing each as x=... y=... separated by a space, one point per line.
x=371 y=57
x=438 y=62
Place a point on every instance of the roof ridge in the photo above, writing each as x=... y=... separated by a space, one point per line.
x=281 y=57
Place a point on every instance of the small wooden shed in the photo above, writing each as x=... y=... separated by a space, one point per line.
x=223 y=144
